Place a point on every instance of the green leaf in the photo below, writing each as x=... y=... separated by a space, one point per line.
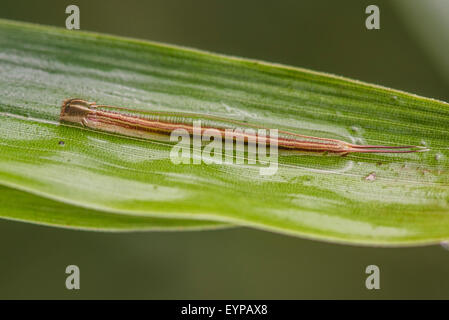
x=24 y=206
x=405 y=202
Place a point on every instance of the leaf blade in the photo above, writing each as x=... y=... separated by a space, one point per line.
x=313 y=196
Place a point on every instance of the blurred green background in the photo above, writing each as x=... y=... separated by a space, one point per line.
x=324 y=35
